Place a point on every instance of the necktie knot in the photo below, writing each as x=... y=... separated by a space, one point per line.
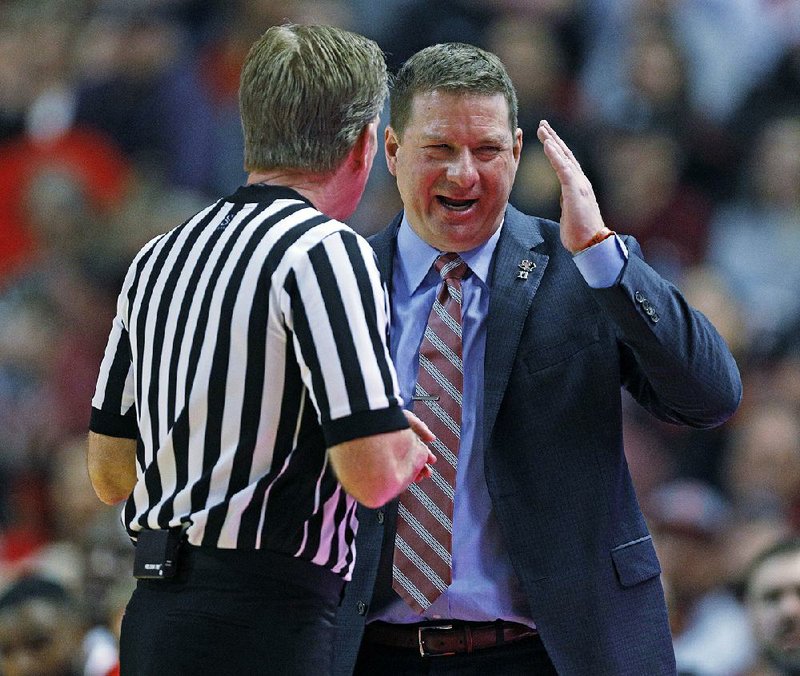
x=451 y=266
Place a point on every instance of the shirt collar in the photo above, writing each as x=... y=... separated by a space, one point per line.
x=416 y=256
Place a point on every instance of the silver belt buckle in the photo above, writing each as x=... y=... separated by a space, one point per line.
x=421 y=630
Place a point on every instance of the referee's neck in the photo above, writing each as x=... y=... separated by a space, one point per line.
x=335 y=193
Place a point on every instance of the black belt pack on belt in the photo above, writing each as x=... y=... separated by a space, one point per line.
x=156 y=556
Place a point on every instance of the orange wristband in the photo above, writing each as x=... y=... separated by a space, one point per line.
x=599 y=236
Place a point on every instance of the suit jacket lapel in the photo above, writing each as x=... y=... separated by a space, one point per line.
x=384 y=243
x=510 y=299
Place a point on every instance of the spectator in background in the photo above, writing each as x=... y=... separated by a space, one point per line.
x=772 y=597
x=143 y=92
x=426 y=22
x=746 y=538
x=41 y=629
x=107 y=634
x=690 y=521
x=763 y=466
x=88 y=550
x=776 y=95
x=653 y=90
x=644 y=83
x=81 y=547
x=754 y=239
x=727 y=45
x=41 y=55
x=55 y=333
x=38 y=43
x=83 y=156
x=644 y=193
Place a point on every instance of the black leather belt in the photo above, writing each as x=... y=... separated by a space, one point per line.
x=448 y=637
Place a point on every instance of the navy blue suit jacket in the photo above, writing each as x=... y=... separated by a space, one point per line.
x=557 y=352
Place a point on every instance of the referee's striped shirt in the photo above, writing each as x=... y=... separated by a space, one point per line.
x=246 y=341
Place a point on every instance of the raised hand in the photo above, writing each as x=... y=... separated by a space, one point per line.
x=581 y=222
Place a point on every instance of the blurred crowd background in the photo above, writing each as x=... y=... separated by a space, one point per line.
x=119 y=119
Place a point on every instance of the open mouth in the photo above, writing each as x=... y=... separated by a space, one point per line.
x=790 y=640
x=455 y=205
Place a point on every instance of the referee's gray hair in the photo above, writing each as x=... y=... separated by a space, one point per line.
x=452 y=67
x=305 y=94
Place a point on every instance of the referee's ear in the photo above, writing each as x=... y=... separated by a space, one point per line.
x=363 y=151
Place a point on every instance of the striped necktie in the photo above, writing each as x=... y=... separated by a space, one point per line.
x=422 y=563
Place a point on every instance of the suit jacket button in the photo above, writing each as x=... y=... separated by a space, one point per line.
x=654 y=318
x=639 y=297
x=380 y=516
x=361 y=607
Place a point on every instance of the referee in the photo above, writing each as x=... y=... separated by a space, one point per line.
x=246 y=398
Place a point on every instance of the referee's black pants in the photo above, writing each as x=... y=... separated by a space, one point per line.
x=232 y=612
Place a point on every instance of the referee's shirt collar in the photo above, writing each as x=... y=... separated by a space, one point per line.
x=261 y=192
x=416 y=256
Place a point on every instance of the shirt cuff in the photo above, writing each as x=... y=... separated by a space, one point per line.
x=364 y=424
x=114 y=424
x=602 y=263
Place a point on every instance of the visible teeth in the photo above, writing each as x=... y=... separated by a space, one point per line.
x=458 y=205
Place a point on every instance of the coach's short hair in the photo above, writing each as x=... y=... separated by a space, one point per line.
x=305 y=94
x=452 y=67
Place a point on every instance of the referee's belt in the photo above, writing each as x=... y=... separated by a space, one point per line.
x=451 y=637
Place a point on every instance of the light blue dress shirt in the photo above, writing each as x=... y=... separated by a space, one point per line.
x=484 y=586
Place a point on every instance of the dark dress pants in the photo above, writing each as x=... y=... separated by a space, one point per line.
x=217 y=618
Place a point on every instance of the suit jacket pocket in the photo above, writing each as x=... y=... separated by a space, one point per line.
x=635 y=561
x=540 y=358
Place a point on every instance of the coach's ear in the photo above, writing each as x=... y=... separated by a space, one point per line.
x=391 y=146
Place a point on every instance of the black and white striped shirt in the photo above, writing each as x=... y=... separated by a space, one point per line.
x=246 y=341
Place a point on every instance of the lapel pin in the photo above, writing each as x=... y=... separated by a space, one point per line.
x=525 y=267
